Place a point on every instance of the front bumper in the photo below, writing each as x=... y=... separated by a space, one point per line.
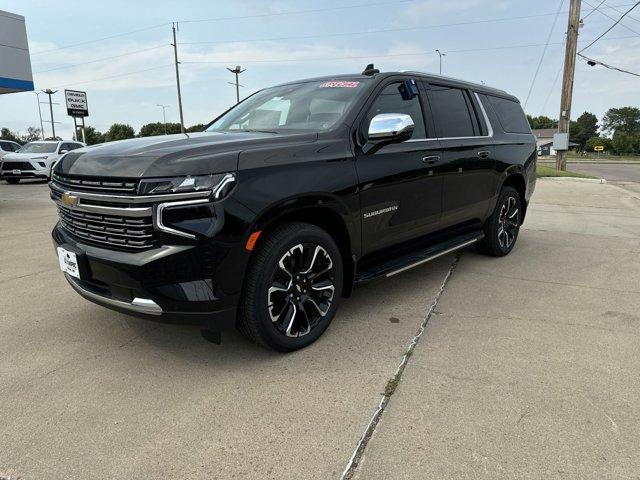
x=10 y=169
x=195 y=284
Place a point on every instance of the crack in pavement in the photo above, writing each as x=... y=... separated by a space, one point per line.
x=392 y=384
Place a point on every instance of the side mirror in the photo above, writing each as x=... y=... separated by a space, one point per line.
x=387 y=128
x=63 y=151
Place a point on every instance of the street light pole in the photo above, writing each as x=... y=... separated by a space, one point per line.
x=50 y=92
x=164 y=116
x=440 y=54
x=238 y=70
x=40 y=114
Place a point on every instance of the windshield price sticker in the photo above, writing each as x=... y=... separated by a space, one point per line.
x=339 y=84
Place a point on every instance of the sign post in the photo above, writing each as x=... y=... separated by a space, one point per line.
x=77 y=107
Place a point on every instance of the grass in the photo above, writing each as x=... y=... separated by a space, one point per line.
x=603 y=157
x=544 y=171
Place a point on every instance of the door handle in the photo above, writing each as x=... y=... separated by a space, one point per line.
x=431 y=159
x=484 y=153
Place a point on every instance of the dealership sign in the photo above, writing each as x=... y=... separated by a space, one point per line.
x=77 y=105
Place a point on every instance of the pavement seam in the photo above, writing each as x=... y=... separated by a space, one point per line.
x=392 y=383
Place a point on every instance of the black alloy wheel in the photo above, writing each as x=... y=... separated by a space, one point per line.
x=292 y=287
x=509 y=222
x=302 y=289
x=502 y=228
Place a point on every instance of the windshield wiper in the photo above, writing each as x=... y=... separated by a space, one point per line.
x=258 y=131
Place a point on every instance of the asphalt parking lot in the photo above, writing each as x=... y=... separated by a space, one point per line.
x=528 y=367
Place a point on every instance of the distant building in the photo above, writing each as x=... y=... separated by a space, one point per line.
x=544 y=141
x=15 y=63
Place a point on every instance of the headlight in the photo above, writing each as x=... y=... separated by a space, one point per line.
x=39 y=158
x=219 y=184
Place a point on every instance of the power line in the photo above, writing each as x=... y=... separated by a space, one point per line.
x=544 y=51
x=294 y=12
x=594 y=9
x=101 y=39
x=115 y=76
x=366 y=32
x=553 y=86
x=97 y=60
x=612 y=18
x=593 y=62
x=610 y=28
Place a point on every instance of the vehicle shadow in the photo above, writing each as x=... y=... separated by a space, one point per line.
x=382 y=315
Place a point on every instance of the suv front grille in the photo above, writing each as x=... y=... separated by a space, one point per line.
x=8 y=165
x=89 y=184
x=117 y=231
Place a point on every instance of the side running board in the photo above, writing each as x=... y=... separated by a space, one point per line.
x=394 y=266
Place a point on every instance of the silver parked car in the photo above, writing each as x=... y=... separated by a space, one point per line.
x=34 y=160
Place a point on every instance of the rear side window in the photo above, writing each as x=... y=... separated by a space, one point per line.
x=510 y=114
x=451 y=108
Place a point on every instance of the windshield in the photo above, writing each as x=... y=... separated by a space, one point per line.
x=313 y=106
x=38 y=147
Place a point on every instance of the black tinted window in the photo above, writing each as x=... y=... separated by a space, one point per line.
x=510 y=115
x=390 y=101
x=451 y=111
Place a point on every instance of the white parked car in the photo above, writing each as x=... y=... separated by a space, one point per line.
x=7 y=146
x=34 y=160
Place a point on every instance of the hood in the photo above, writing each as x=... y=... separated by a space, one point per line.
x=26 y=156
x=172 y=155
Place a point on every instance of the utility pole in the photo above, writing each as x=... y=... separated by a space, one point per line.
x=50 y=92
x=175 y=56
x=40 y=114
x=567 y=80
x=440 y=54
x=238 y=70
x=164 y=117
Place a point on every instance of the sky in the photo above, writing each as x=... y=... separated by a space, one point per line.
x=119 y=52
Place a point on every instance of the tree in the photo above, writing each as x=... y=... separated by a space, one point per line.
x=198 y=127
x=585 y=127
x=624 y=119
x=542 y=122
x=623 y=142
x=598 y=141
x=93 y=136
x=32 y=135
x=158 y=128
x=119 y=131
x=7 y=134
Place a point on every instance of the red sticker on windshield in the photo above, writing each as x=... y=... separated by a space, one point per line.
x=339 y=84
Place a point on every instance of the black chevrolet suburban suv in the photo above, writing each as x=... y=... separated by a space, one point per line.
x=291 y=198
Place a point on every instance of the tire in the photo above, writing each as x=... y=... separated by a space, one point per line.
x=279 y=310
x=12 y=181
x=502 y=228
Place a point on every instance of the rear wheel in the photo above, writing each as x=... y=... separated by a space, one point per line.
x=292 y=288
x=12 y=181
x=502 y=228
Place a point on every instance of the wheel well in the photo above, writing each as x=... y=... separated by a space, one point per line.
x=516 y=181
x=334 y=225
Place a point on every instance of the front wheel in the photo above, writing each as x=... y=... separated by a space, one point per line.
x=502 y=228
x=292 y=288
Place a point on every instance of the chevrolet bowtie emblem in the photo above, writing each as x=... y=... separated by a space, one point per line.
x=69 y=200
